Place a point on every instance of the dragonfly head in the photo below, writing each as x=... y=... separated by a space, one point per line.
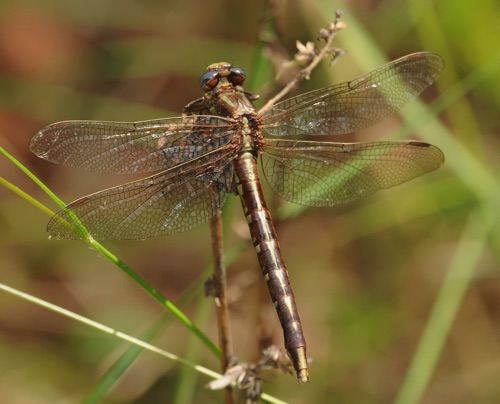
x=221 y=73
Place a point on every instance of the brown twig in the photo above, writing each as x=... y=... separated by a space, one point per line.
x=239 y=374
x=307 y=54
x=221 y=304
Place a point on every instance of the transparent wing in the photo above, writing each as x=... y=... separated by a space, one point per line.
x=169 y=202
x=357 y=104
x=131 y=147
x=325 y=174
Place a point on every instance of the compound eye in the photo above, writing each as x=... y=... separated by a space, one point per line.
x=237 y=76
x=209 y=80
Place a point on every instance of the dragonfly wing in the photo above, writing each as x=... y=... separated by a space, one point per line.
x=131 y=147
x=357 y=104
x=325 y=174
x=169 y=202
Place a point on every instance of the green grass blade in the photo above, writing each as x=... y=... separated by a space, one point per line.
x=120 y=264
x=469 y=250
x=106 y=329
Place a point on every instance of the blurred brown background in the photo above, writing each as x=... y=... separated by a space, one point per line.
x=366 y=275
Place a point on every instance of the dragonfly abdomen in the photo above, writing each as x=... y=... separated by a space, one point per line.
x=273 y=267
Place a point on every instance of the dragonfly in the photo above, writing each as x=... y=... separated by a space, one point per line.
x=213 y=149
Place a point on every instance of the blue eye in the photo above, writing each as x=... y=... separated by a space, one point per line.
x=237 y=76
x=209 y=80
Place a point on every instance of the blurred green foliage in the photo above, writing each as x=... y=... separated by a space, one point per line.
x=399 y=293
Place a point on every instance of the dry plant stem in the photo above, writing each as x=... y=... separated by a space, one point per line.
x=306 y=72
x=222 y=309
x=225 y=339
